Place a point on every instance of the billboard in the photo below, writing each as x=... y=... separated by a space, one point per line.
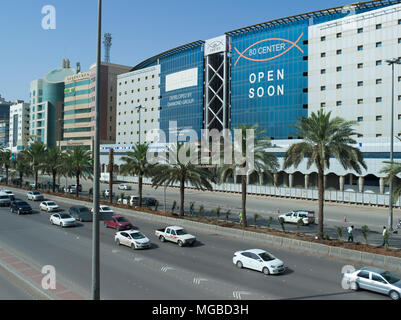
x=269 y=78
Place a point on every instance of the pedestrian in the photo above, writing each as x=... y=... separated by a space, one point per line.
x=384 y=236
x=240 y=217
x=350 y=234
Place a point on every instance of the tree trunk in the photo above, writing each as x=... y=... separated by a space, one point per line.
x=140 y=184
x=243 y=183
x=77 y=187
x=54 y=180
x=36 y=179
x=182 y=195
x=20 y=179
x=320 y=178
x=111 y=185
x=6 y=175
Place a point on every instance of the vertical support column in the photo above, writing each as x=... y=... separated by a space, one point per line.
x=361 y=183
x=307 y=181
x=207 y=94
x=342 y=183
x=382 y=185
x=291 y=180
x=225 y=92
x=325 y=181
x=275 y=179
x=351 y=180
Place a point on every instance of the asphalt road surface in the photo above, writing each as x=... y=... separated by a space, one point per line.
x=166 y=271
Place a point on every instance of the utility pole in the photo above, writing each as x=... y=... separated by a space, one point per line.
x=111 y=170
x=96 y=171
x=392 y=62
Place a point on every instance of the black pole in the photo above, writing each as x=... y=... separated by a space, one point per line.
x=96 y=173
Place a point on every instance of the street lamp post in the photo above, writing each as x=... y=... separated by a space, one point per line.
x=139 y=108
x=392 y=63
x=96 y=170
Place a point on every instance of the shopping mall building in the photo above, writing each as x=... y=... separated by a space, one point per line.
x=272 y=74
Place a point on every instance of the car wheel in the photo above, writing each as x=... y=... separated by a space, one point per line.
x=133 y=246
x=51 y=222
x=266 y=271
x=354 y=286
x=19 y=212
x=118 y=242
x=180 y=243
x=394 y=295
x=239 y=264
x=162 y=239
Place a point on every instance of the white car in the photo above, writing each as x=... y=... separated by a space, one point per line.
x=62 y=220
x=49 y=206
x=307 y=217
x=10 y=194
x=124 y=187
x=258 y=260
x=105 y=209
x=132 y=238
x=35 y=196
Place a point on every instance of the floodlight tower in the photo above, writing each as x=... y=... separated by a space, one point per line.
x=107 y=46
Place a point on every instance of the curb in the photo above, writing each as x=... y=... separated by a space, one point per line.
x=361 y=257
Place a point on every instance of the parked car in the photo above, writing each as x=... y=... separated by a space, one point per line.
x=5 y=200
x=133 y=239
x=10 y=194
x=124 y=187
x=258 y=260
x=32 y=185
x=20 y=207
x=149 y=202
x=134 y=201
x=63 y=220
x=75 y=187
x=307 y=217
x=376 y=280
x=119 y=223
x=81 y=213
x=35 y=196
x=175 y=234
x=49 y=206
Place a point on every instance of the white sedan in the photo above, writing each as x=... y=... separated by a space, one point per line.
x=258 y=260
x=62 y=220
x=104 y=209
x=35 y=196
x=49 y=206
x=133 y=239
x=124 y=187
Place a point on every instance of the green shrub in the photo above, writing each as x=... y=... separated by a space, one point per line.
x=364 y=231
x=256 y=217
x=281 y=222
x=339 y=233
x=218 y=212
x=228 y=213
x=201 y=210
x=174 y=206
x=269 y=221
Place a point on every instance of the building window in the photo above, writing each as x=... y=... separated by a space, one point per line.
x=360 y=66
x=360 y=48
x=323 y=104
x=378 y=135
x=399 y=117
x=323 y=71
x=323 y=55
x=339 y=52
x=379 y=118
x=379 y=99
x=399 y=98
x=379 y=81
x=360 y=119
x=323 y=38
x=339 y=69
x=360 y=101
x=378 y=44
x=360 y=30
x=339 y=86
x=360 y=83
x=339 y=35
x=323 y=88
x=378 y=26
x=378 y=63
x=339 y=103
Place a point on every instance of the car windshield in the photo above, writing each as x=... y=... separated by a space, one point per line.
x=35 y=193
x=8 y=192
x=121 y=219
x=266 y=256
x=137 y=235
x=51 y=204
x=106 y=209
x=181 y=232
x=23 y=204
x=65 y=216
x=389 y=277
x=83 y=210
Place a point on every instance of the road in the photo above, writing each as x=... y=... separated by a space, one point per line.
x=375 y=218
x=166 y=271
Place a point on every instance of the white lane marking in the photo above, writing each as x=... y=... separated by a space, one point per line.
x=115 y=251
x=166 y=268
x=198 y=281
x=137 y=259
x=238 y=294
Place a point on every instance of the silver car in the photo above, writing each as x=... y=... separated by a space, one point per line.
x=374 y=279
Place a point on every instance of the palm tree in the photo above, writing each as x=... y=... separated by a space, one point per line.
x=35 y=153
x=6 y=160
x=79 y=163
x=136 y=164
x=174 y=170
x=324 y=138
x=264 y=162
x=393 y=170
x=52 y=163
x=22 y=166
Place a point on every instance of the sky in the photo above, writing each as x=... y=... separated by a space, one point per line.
x=140 y=30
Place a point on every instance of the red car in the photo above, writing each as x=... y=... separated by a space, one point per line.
x=119 y=223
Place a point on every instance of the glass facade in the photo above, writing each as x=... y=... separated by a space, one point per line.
x=184 y=105
x=269 y=79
